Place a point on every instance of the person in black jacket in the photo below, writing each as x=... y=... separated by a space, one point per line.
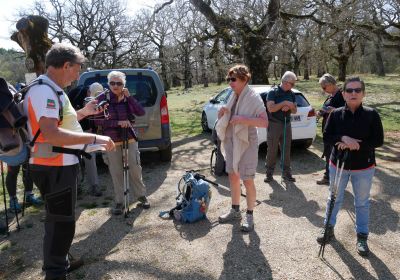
x=358 y=129
x=333 y=101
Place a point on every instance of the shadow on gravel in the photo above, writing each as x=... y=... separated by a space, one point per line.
x=358 y=270
x=390 y=183
x=383 y=217
x=303 y=161
x=196 y=230
x=104 y=241
x=245 y=260
x=294 y=203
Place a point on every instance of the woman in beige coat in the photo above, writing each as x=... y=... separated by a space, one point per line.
x=236 y=127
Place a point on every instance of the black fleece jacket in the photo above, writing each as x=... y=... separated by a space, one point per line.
x=365 y=125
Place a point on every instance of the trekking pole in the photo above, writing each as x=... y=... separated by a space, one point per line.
x=283 y=150
x=334 y=188
x=125 y=161
x=4 y=197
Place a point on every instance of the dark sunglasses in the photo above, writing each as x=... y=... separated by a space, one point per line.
x=112 y=83
x=228 y=80
x=351 y=90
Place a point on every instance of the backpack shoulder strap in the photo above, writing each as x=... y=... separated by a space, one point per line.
x=58 y=94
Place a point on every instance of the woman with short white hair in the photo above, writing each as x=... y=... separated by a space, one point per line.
x=122 y=110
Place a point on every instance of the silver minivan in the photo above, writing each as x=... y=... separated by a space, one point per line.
x=153 y=129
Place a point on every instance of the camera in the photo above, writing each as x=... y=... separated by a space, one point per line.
x=101 y=105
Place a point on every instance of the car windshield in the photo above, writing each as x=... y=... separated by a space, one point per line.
x=142 y=88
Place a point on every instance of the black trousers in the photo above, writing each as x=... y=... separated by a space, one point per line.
x=12 y=177
x=57 y=185
x=327 y=155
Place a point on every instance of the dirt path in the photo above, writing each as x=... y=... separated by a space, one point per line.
x=282 y=246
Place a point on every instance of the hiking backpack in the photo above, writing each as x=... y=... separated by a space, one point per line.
x=14 y=141
x=217 y=160
x=193 y=199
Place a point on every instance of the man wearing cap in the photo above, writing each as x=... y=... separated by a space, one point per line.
x=281 y=102
x=56 y=174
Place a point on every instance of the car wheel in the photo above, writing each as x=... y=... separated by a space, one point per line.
x=204 y=123
x=166 y=155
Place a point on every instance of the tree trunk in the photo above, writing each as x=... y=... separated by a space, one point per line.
x=187 y=75
x=164 y=76
x=306 y=68
x=342 y=68
x=257 y=59
x=380 y=68
x=203 y=69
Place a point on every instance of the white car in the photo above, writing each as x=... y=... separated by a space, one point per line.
x=304 y=124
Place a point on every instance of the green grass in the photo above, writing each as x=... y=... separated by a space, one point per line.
x=185 y=108
x=382 y=93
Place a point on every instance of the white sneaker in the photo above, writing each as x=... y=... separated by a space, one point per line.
x=248 y=223
x=230 y=216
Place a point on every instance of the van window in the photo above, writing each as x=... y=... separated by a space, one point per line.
x=142 y=88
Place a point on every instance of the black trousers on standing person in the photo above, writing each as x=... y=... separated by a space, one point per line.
x=12 y=177
x=327 y=155
x=57 y=185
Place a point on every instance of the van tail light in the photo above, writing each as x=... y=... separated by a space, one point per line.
x=164 y=110
x=311 y=113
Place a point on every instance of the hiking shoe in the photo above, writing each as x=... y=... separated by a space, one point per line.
x=268 y=178
x=74 y=265
x=329 y=237
x=362 y=246
x=247 y=224
x=230 y=216
x=94 y=191
x=144 y=203
x=323 y=181
x=118 y=209
x=288 y=177
x=14 y=205
x=31 y=199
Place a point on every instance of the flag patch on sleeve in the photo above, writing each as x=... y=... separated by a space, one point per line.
x=51 y=104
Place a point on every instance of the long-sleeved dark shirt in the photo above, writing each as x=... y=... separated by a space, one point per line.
x=335 y=101
x=365 y=125
x=118 y=111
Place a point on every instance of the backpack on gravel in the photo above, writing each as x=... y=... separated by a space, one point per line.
x=193 y=199
x=217 y=160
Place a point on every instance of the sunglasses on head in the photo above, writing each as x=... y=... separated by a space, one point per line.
x=112 y=83
x=228 y=80
x=351 y=90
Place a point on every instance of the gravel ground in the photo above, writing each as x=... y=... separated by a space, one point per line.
x=283 y=245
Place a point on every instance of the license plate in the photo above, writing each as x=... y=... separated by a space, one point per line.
x=296 y=118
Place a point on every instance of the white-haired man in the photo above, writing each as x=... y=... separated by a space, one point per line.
x=281 y=102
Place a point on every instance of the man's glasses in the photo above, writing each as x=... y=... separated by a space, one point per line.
x=119 y=84
x=228 y=80
x=351 y=90
x=290 y=83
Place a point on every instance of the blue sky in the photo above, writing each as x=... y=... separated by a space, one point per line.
x=9 y=10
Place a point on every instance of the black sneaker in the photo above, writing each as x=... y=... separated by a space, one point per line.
x=362 y=246
x=288 y=177
x=144 y=203
x=329 y=237
x=268 y=178
x=74 y=265
x=323 y=181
